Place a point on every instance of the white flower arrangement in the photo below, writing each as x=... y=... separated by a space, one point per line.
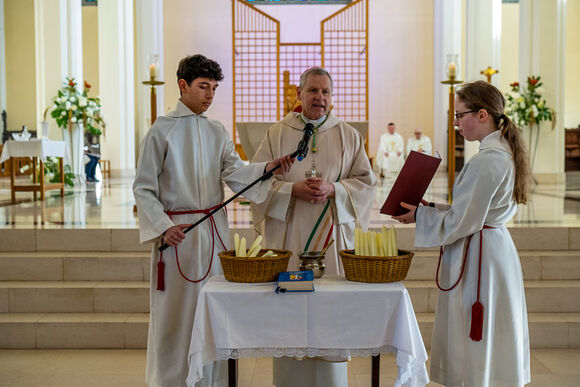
x=73 y=106
x=526 y=107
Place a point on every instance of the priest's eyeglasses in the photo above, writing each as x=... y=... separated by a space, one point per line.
x=460 y=114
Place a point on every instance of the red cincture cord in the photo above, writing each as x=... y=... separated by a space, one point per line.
x=214 y=231
x=476 y=332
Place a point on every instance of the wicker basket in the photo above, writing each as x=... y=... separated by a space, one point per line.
x=254 y=269
x=375 y=269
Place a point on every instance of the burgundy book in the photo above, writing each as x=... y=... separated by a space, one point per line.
x=412 y=182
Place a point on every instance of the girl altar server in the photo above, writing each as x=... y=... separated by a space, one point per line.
x=480 y=336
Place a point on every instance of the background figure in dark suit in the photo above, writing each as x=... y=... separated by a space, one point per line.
x=93 y=151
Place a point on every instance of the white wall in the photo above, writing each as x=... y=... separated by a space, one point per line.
x=509 y=46
x=297 y=26
x=400 y=67
x=194 y=27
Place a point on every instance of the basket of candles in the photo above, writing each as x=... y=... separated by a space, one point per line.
x=376 y=258
x=254 y=264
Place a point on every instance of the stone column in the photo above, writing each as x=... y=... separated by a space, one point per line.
x=149 y=40
x=2 y=64
x=482 y=46
x=117 y=83
x=71 y=36
x=542 y=53
x=59 y=51
x=59 y=55
x=447 y=40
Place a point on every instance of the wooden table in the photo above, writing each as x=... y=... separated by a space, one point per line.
x=38 y=151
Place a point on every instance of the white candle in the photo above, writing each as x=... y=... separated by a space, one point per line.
x=153 y=70
x=452 y=69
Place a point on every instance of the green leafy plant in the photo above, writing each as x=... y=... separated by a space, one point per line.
x=52 y=172
x=72 y=106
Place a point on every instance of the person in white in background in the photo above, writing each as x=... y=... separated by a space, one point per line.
x=390 y=156
x=419 y=143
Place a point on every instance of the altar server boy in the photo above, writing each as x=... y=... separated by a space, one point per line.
x=185 y=158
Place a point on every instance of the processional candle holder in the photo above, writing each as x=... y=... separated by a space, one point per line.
x=452 y=71
x=153 y=71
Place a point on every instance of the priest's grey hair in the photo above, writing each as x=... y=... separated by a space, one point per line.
x=314 y=71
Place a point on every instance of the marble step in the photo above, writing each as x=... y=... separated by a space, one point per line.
x=542 y=296
x=547 y=330
x=73 y=330
x=525 y=238
x=536 y=265
x=546 y=296
x=75 y=266
x=134 y=266
x=71 y=240
x=129 y=330
x=74 y=296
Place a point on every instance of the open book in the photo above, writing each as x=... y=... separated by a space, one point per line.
x=412 y=182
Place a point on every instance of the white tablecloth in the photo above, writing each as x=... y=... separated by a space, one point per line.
x=340 y=318
x=33 y=148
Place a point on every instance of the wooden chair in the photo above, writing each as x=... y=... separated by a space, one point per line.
x=105 y=168
x=22 y=163
x=5 y=166
x=572 y=149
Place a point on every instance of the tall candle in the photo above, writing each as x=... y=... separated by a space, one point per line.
x=153 y=70
x=452 y=69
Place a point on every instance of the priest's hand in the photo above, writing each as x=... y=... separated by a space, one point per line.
x=302 y=191
x=285 y=164
x=323 y=188
x=173 y=235
x=409 y=217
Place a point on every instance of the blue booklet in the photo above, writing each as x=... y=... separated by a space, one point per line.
x=295 y=281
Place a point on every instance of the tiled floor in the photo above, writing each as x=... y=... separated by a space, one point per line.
x=109 y=204
x=126 y=368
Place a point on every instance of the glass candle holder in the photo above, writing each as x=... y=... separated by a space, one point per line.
x=452 y=66
x=153 y=68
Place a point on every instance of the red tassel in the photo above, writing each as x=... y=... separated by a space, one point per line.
x=160 y=275
x=476 y=321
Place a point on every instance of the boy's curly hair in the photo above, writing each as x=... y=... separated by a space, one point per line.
x=198 y=66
